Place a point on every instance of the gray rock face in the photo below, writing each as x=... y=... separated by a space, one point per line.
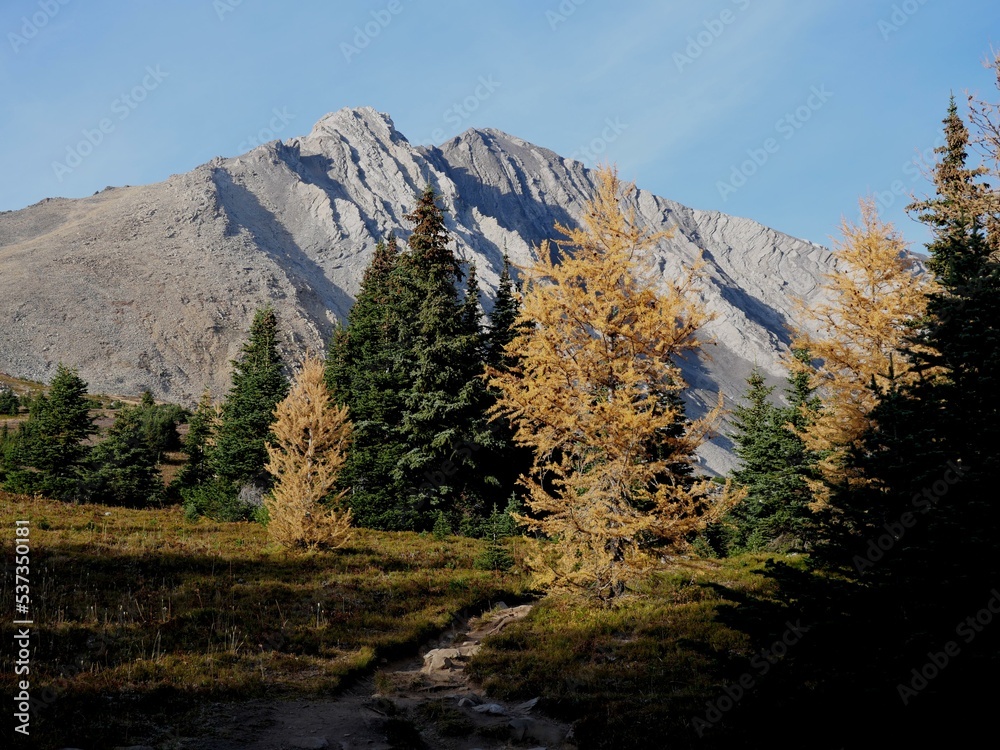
x=154 y=286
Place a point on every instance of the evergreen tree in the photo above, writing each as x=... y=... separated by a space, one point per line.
x=9 y=402
x=503 y=321
x=122 y=469
x=368 y=369
x=932 y=450
x=201 y=427
x=239 y=454
x=774 y=461
x=51 y=449
x=443 y=429
x=158 y=425
x=510 y=459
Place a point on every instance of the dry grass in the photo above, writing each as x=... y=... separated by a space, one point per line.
x=134 y=607
x=636 y=675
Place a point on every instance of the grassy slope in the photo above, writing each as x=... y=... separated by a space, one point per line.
x=637 y=675
x=140 y=609
x=136 y=607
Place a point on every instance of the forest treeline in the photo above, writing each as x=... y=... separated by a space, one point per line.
x=561 y=414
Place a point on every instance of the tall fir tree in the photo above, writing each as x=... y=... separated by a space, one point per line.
x=932 y=450
x=443 y=428
x=239 y=455
x=503 y=321
x=512 y=461
x=368 y=369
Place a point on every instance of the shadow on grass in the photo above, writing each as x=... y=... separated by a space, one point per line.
x=125 y=638
x=848 y=681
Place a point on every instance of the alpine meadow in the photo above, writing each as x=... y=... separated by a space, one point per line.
x=343 y=440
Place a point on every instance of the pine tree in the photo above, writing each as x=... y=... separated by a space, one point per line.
x=774 y=462
x=443 y=428
x=503 y=321
x=368 y=369
x=258 y=385
x=122 y=469
x=51 y=449
x=9 y=402
x=158 y=425
x=196 y=444
x=305 y=457
x=589 y=396
x=931 y=452
x=510 y=460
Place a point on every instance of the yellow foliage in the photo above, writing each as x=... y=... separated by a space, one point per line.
x=875 y=298
x=591 y=396
x=309 y=450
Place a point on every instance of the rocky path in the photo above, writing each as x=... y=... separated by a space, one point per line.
x=426 y=701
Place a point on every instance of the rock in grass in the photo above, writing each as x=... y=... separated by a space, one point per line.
x=491 y=708
x=527 y=705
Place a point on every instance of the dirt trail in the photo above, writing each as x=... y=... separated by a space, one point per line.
x=426 y=701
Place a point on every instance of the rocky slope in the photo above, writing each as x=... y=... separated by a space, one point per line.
x=154 y=286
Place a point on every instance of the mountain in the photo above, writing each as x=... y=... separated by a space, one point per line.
x=153 y=287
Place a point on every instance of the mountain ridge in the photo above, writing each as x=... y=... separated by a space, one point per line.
x=153 y=286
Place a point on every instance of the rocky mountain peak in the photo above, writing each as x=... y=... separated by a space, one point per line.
x=153 y=287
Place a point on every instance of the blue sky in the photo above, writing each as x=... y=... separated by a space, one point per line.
x=785 y=112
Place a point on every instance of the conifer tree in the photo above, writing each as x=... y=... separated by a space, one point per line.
x=503 y=320
x=589 y=396
x=368 y=369
x=50 y=449
x=774 y=461
x=443 y=429
x=122 y=468
x=9 y=402
x=258 y=385
x=510 y=459
x=873 y=302
x=307 y=453
x=196 y=444
x=932 y=451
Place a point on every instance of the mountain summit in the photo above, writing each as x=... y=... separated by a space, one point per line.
x=153 y=287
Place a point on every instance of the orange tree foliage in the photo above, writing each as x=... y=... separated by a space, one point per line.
x=874 y=301
x=307 y=454
x=594 y=393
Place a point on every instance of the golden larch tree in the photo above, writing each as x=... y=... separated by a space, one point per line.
x=874 y=299
x=308 y=451
x=594 y=393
